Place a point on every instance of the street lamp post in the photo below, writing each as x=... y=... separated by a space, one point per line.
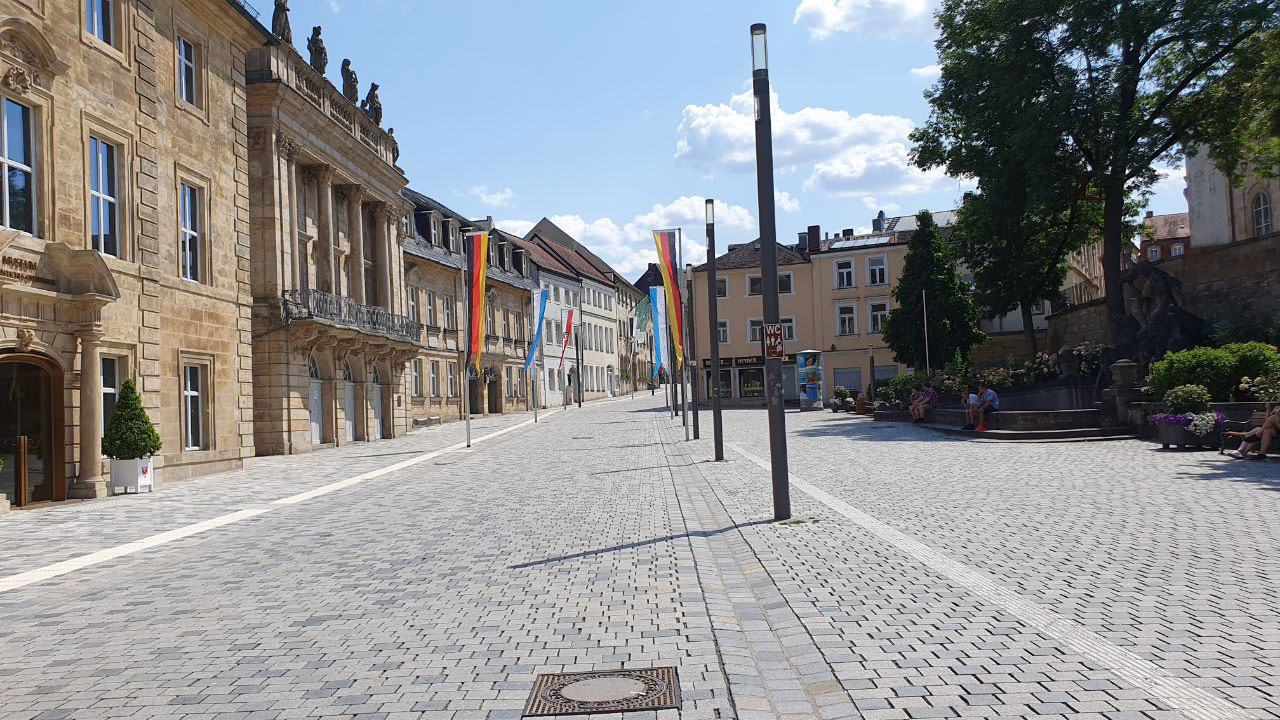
x=769 y=269
x=713 y=320
x=692 y=364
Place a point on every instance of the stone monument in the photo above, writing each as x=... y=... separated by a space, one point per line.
x=280 y=22
x=372 y=106
x=350 y=82
x=319 y=55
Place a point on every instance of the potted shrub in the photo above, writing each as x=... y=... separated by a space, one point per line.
x=130 y=442
x=1188 y=421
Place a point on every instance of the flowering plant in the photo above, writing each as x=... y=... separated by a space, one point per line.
x=1199 y=424
x=1090 y=357
x=1263 y=387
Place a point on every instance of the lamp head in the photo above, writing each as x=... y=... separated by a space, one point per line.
x=759 y=48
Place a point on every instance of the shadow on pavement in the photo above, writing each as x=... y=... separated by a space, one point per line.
x=638 y=544
x=1214 y=467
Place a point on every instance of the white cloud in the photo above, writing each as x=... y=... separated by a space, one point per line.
x=335 y=6
x=824 y=18
x=841 y=154
x=875 y=205
x=928 y=71
x=1168 y=194
x=500 y=198
x=722 y=136
x=515 y=227
x=785 y=202
x=629 y=247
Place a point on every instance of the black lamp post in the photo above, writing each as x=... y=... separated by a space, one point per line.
x=769 y=269
x=713 y=320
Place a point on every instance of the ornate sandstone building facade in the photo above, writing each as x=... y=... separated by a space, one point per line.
x=124 y=251
x=331 y=328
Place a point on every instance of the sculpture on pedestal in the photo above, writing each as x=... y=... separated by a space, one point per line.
x=280 y=22
x=350 y=82
x=319 y=55
x=372 y=106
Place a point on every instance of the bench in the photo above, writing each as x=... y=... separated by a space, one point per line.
x=1239 y=428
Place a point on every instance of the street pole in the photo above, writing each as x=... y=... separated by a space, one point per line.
x=713 y=316
x=924 y=298
x=695 y=369
x=684 y=331
x=769 y=269
x=577 y=352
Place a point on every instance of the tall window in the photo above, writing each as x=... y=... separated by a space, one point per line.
x=416 y=372
x=431 y=308
x=17 y=164
x=448 y=312
x=1261 y=215
x=755 y=285
x=844 y=273
x=879 y=312
x=511 y=385
x=413 y=305
x=435 y=232
x=110 y=387
x=453 y=237
x=99 y=20
x=722 y=287
x=506 y=323
x=550 y=332
x=194 y=406
x=877 y=272
x=722 y=331
x=555 y=293
x=435 y=379
x=102 y=197
x=755 y=330
x=846 y=320
x=453 y=379
x=188 y=77
x=191 y=241
x=784 y=284
x=788 y=328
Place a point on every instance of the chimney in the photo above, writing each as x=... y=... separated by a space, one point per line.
x=877 y=223
x=802 y=241
x=815 y=235
x=847 y=232
x=1151 y=214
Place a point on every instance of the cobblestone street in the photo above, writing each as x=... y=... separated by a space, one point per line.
x=926 y=576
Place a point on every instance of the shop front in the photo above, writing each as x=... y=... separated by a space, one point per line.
x=742 y=379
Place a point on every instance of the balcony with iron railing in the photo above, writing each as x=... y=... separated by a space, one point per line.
x=346 y=312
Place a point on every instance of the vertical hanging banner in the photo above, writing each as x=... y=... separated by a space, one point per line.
x=568 y=333
x=666 y=241
x=478 y=262
x=659 y=311
x=541 y=296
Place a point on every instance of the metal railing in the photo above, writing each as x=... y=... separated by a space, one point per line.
x=345 y=311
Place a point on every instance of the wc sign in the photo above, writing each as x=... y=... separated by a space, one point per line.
x=773 y=341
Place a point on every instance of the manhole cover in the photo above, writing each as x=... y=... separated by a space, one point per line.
x=602 y=692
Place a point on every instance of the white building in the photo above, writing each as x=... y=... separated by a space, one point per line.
x=563 y=292
x=1222 y=212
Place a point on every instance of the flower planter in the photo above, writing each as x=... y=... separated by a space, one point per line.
x=133 y=474
x=1184 y=438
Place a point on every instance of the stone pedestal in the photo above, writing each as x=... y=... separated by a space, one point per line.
x=1124 y=391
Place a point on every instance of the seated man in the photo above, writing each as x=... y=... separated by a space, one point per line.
x=919 y=404
x=927 y=401
x=988 y=405
x=1261 y=439
x=969 y=400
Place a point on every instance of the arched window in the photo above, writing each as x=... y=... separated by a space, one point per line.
x=346 y=371
x=313 y=371
x=1261 y=215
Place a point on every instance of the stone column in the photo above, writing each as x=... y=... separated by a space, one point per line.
x=355 y=237
x=89 y=482
x=324 y=232
x=289 y=149
x=381 y=244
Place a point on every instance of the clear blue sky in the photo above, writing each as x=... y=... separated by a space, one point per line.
x=617 y=118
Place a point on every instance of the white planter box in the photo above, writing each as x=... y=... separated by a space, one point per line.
x=132 y=475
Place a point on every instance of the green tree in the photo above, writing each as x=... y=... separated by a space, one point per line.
x=1123 y=84
x=953 y=315
x=130 y=434
x=1242 y=131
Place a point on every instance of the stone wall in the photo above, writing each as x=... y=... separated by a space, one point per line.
x=1216 y=282
x=1000 y=347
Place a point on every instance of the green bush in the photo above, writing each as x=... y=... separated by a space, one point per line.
x=1213 y=368
x=130 y=434
x=841 y=392
x=898 y=389
x=1253 y=358
x=1187 y=399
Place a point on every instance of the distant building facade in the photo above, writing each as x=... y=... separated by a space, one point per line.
x=1222 y=211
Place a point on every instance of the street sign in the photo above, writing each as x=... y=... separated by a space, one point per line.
x=773 y=341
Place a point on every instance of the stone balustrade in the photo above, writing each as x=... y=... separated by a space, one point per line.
x=347 y=312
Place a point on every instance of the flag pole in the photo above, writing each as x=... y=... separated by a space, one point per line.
x=466 y=354
x=684 y=346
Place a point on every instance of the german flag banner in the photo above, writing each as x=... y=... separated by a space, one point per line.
x=666 y=241
x=478 y=263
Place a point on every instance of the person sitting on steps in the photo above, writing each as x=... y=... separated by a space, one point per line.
x=924 y=399
x=988 y=405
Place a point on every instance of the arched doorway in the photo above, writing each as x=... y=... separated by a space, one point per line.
x=348 y=395
x=375 y=399
x=32 y=430
x=315 y=401
x=494 y=379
